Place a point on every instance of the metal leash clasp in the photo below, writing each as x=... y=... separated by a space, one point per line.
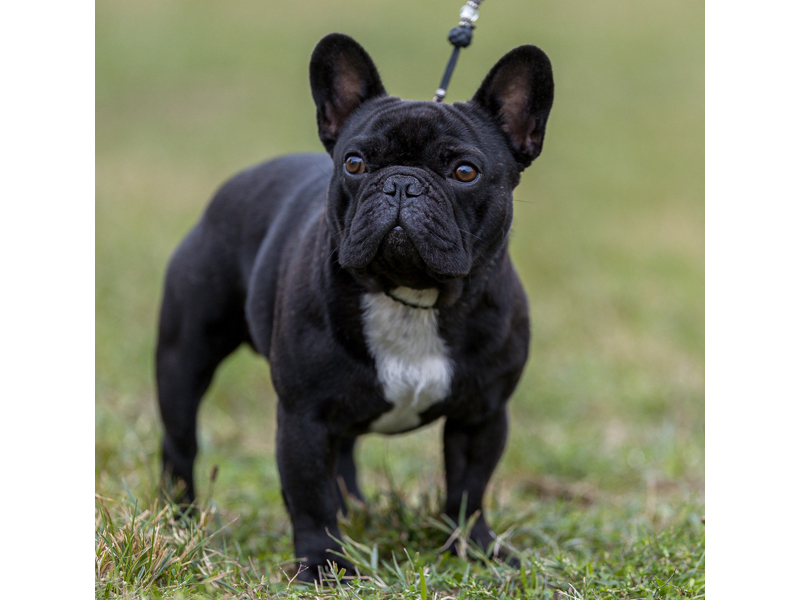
x=460 y=37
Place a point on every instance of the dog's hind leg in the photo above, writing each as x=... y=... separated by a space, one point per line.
x=346 y=472
x=201 y=323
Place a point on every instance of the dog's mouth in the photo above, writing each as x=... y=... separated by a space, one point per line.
x=404 y=246
x=399 y=262
x=399 y=271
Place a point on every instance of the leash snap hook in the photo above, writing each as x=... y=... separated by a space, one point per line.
x=460 y=37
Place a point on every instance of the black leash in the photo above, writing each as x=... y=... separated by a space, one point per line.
x=460 y=37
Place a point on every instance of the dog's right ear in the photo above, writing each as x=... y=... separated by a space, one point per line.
x=343 y=77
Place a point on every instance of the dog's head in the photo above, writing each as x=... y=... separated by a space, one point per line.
x=421 y=193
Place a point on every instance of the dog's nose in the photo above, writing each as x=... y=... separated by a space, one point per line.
x=402 y=186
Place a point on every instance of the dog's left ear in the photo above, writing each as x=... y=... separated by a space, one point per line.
x=518 y=93
x=343 y=77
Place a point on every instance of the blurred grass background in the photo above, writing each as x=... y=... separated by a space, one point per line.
x=608 y=231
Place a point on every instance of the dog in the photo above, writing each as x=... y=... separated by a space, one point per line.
x=376 y=281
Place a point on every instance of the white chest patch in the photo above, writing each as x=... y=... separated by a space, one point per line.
x=411 y=358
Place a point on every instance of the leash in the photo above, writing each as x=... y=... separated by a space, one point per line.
x=461 y=37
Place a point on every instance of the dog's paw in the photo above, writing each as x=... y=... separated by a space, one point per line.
x=323 y=572
x=489 y=548
x=508 y=558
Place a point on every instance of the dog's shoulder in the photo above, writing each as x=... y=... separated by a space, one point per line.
x=261 y=190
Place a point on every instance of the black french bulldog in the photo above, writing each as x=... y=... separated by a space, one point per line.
x=378 y=285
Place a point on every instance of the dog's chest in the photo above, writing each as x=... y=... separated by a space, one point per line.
x=411 y=359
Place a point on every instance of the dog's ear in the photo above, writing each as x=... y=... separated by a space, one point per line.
x=518 y=93
x=343 y=77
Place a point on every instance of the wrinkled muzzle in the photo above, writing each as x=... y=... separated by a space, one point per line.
x=404 y=229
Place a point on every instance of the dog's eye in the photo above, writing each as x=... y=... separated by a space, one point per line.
x=465 y=173
x=354 y=165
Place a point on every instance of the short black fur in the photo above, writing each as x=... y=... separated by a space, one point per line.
x=287 y=251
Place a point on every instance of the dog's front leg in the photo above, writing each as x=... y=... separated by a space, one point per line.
x=306 y=455
x=471 y=453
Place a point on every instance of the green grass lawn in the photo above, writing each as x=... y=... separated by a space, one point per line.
x=601 y=488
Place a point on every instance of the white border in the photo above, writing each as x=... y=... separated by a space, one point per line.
x=752 y=297
x=47 y=249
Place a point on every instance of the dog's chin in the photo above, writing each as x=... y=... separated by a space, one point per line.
x=398 y=263
x=400 y=272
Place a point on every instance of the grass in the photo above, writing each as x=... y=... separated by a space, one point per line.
x=580 y=551
x=601 y=486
